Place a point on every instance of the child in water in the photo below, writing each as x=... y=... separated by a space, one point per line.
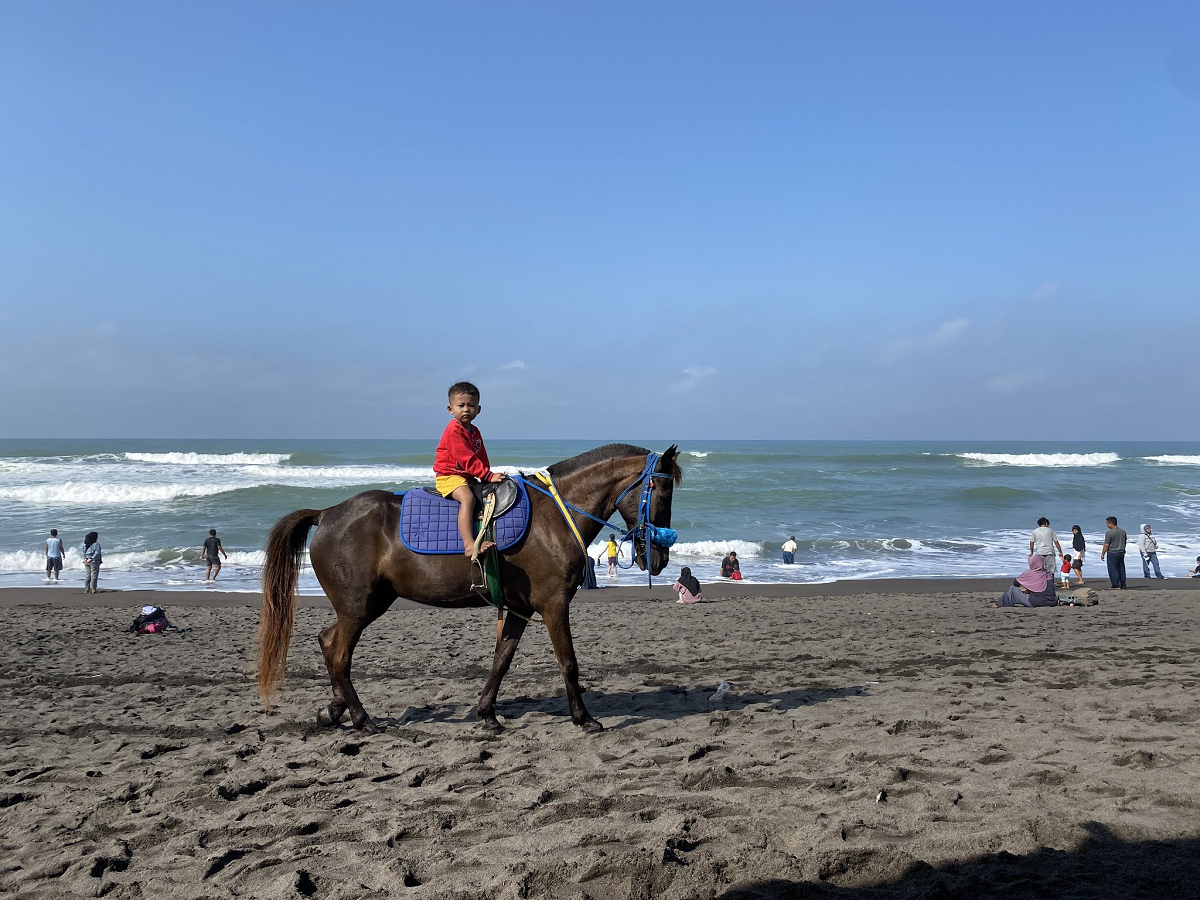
x=462 y=459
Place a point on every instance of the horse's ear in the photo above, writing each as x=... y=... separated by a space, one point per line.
x=670 y=460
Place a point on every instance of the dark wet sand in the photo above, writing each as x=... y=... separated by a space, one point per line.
x=882 y=739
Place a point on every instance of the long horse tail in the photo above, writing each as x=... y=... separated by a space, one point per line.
x=281 y=572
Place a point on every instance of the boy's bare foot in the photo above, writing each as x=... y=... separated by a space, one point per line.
x=483 y=548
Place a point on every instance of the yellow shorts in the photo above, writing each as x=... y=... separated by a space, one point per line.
x=448 y=484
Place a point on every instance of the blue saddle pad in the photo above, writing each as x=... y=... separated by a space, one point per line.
x=429 y=522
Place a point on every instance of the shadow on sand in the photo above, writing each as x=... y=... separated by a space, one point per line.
x=1103 y=868
x=665 y=703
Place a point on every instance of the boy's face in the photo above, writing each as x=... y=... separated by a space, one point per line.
x=464 y=407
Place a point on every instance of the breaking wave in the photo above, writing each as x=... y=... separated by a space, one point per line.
x=1174 y=460
x=210 y=459
x=95 y=493
x=1050 y=460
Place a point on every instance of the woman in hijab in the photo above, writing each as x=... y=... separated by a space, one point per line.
x=1079 y=545
x=92 y=557
x=688 y=587
x=1033 y=587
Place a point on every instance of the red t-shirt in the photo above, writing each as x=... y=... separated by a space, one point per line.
x=1066 y=566
x=461 y=452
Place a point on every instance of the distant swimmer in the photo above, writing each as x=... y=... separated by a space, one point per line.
x=212 y=555
x=789 y=551
x=54 y=555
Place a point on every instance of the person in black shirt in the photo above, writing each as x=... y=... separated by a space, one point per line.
x=212 y=555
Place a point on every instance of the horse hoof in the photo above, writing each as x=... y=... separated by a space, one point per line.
x=491 y=723
x=325 y=719
x=369 y=727
x=591 y=726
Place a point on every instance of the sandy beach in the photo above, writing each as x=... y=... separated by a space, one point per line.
x=881 y=739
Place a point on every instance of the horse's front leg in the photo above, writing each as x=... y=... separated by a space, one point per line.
x=558 y=623
x=506 y=648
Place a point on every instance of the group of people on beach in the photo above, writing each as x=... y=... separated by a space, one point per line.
x=1036 y=585
x=93 y=557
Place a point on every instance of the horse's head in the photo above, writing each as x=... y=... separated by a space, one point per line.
x=662 y=489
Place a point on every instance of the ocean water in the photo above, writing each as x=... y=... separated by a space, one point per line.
x=858 y=509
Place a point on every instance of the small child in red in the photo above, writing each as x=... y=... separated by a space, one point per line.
x=462 y=459
x=1065 y=569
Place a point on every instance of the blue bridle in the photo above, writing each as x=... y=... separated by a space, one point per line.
x=650 y=533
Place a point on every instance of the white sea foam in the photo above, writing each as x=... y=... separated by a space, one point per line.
x=697 y=454
x=272 y=474
x=1174 y=460
x=717 y=549
x=95 y=493
x=209 y=459
x=35 y=561
x=1049 y=460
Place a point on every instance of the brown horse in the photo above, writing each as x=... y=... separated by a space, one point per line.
x=363 y=567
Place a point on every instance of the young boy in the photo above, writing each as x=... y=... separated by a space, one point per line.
x=461 y=460
x=613 y=551
x=1066 y=571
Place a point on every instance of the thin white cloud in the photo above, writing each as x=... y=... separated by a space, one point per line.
x=515 y=364
x=695 y=374
x=946 y=333
x=1044 y=293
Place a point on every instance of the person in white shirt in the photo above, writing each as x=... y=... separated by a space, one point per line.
x=54 y=554
x=1148 y=547
x=1044 y=543
x=789 y=551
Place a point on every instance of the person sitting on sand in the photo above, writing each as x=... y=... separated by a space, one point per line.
x=1033 y=587
x=1195 y=573
x=462 y=459
x=688 y=587
x=730 y=567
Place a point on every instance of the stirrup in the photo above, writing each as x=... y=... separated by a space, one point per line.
x=477 y=566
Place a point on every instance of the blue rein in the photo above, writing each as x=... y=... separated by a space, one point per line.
x=651 y=533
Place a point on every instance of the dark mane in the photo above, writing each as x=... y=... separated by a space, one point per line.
x=591 y=457
x=608 y=451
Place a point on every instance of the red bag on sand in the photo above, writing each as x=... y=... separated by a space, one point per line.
x=736 y=576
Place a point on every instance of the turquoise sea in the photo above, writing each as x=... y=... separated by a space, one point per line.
x=860 y=509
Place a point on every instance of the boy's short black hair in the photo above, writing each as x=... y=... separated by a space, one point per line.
x=1112 y=519
x=213 y=532
x=462 y=387
x=53 y=532
x=1043 y=521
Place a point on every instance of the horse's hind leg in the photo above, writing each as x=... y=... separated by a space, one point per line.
x=337 y=644
x=331 y=714
x=506 y=648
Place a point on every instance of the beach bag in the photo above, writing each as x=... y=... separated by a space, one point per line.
x=151 y=620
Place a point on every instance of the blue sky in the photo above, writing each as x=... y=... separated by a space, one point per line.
x=668 y=220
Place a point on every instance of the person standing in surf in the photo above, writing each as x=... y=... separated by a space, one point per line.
x=212 y=555
x=1079 y=545
x=789 y=551
x=1044 y=542
x=54 y=554
x=92 y=558
x=462 y=460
